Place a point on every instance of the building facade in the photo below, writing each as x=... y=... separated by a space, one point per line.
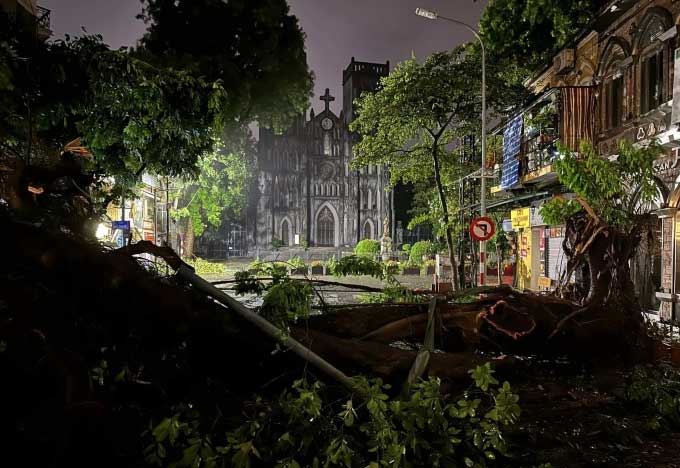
x=617 y=81
x=307 y=194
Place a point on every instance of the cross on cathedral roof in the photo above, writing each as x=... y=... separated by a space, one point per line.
x=327 y=98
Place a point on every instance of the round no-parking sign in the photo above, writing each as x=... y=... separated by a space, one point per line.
x=482 y=229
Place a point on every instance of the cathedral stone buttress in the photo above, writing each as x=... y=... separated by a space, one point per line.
x=307 y=194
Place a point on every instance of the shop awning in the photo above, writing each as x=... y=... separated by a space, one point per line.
x=521 y=200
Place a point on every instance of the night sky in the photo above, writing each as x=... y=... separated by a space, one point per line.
x=337 y=30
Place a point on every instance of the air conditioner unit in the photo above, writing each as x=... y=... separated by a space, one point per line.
x=563 y=62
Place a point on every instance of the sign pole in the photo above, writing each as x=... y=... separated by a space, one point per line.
x=482 y=229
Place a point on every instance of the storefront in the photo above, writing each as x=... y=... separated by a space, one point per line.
x=540 y=259
x=521 y=224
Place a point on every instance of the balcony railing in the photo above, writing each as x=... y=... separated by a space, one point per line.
x=538 y=152
x=43 y=19
x=538 y=137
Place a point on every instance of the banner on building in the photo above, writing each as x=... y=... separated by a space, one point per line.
x=512 y=144
x=577 y=119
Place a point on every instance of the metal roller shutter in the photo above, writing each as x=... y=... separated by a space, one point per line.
x=557 y=260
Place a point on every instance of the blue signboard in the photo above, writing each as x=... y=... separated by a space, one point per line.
x=512 y=143
x=122 y=225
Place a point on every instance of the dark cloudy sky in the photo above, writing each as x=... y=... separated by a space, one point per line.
x=337 y=30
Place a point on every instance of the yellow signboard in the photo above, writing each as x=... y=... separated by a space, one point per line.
x=544 y=282
x=521 y=218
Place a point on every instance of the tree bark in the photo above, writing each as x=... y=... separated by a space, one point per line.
x=189 y=238
x=445 y=215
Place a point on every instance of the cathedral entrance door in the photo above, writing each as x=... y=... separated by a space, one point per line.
x=325 y=229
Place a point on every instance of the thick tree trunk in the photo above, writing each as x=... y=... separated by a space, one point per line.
x=445 y=216
x=189 y=238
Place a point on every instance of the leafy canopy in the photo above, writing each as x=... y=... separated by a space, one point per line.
x=131 y=115
x=220 y=187
x=419 y=112
x=419 y=106
x=255 y=48
x=530 y=32
x=608 y=187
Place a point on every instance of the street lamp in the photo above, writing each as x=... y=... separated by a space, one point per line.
x=432 y=15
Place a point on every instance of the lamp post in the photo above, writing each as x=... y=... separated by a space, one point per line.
x=432 y=15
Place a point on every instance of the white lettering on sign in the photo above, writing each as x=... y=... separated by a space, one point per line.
x=666 y=164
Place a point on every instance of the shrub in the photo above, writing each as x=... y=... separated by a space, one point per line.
x=406 y=248
x=355 y=265
x=331 y=264
x=409 y=264
x=297 y=263
x=392 y=267
x=276 y=243
x=256 y=265
x=204 y=267
x=367 y=247
x=421 y=248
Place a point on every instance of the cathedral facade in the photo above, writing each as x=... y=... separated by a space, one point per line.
x=307 y=194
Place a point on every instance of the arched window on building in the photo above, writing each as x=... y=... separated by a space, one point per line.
x=325 y=228
x=645 y=266
x=368 y=230
x=613 y=89
x=285 y=232
x=327 y=149
x=655 y=55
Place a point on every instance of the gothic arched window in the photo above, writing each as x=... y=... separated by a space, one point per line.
x=368 y=231
x=285 y=232
x=327 y=149
x=325 y=228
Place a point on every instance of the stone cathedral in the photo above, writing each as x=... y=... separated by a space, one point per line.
x=307 y=194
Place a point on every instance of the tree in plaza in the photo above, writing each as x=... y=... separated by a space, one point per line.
x=220 y=188
x=531 y=31
x=410 y=123
x=255 y=48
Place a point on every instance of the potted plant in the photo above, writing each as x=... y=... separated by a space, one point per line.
x=298 y=266
x=255 y=267
x=410 y=268
x=317 y=267
x=391 y=267
x=428 y=268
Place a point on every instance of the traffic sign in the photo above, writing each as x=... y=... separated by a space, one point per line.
x=482 y=229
